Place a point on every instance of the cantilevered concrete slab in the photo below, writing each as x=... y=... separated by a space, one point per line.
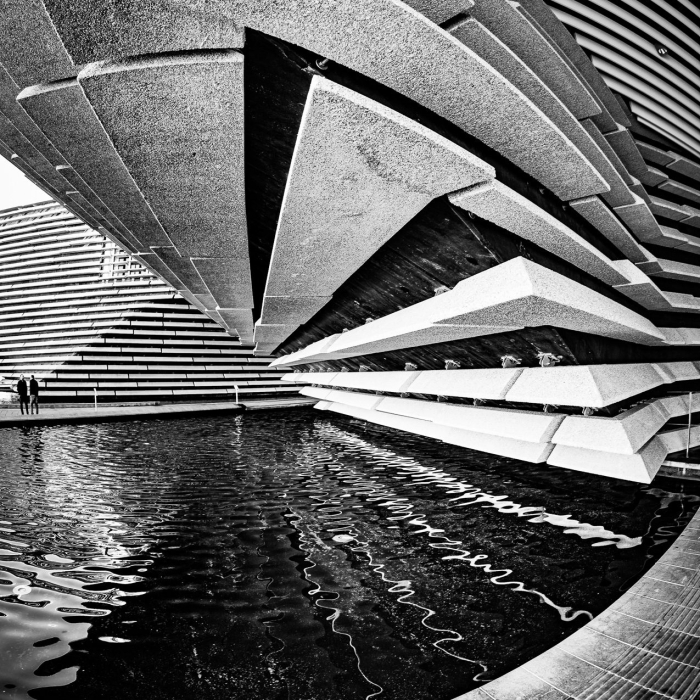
x=498 y=203
x=507 y=21
x=434 y=69
x=177 y=124
x=380 y=169
x=64 y=115
x=518 y=292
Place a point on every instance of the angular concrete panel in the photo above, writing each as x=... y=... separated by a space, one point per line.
x=681 y=190
x=669 y=210
x=395 y=382
x=684 y=165
x=228 y=280
x=138 y=27
x=380 y=169
x=64 y=115
x=31 y=50
x=604 y=220
x=291 y=309
x=509 y=22
x=400 y=48
x=509 y=210
x=177 y=124
x=489 y=384
x=640 y=220
x=595 y=386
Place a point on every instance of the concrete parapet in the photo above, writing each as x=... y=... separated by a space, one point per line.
x=492 y=384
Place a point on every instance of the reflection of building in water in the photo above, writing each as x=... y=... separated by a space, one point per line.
x=80 y=313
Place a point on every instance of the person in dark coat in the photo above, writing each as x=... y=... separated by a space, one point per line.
x=22 y=391
x=34 y=395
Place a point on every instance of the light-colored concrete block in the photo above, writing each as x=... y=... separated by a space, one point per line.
x=440 y=10
x=693 y=218
x=503 y=206
x=669 y=210
x=528 y=426
x=183 y=269
x=681 y=190
x=177 y=123
x=654 y=154
x=64 y=115
x=291 y=309
x=273 y=333
x=509 y=22
x=640 y=220
x=240 y=320
x=94 y=30
x=227 y=279
x=305 y=355
x=604 y=220
x=684 y=165
x=395 y=382
x=488 y=384
x=347 y=398
x=518 y=290
x=323 y=378
x=31 y=50
x=400 y=48
x=640 y=467
x=626 y=433
x=382 y=169
x=594 y=166
x=624 y=145
x=315 y=392
x=641 y=288
x=678 y=371
x=677 y=440
x=595 y=386
x=674 y=270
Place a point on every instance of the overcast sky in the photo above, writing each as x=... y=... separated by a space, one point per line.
x=15 y=189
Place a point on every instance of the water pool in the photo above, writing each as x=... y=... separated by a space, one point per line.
x=292 y=554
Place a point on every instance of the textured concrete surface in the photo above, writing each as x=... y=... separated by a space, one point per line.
x=640 y=220
x=347 y=398
x=624 y=145
x=507 y=21
x=95 y=30
x=642 y=289
x=684 y=165
x=678 y=271
x=31 y=50
x=504 y=207
x=654 y=154
x=669 y=210
x=440 y=10
x=487 y=384
x=241 y=320
x=604 y=220
x=228 y=280
x=517 y=449
x=372 y=381
x=595 y=386
x=177 y=124
x=593 y=165
x=81 y=140
x=291 y=310
x=381 y=169
x=681 y=190
x=643 y=646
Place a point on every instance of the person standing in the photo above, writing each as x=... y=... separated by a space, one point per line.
x=22 y=391
x=34 y=395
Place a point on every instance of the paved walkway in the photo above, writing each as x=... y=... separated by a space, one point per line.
x=49 y=416
x=645 y=646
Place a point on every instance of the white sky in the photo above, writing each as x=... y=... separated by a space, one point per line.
x=15 y=189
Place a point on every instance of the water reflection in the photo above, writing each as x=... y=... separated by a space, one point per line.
x=296 y=555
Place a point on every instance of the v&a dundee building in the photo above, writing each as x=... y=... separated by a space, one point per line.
x=467 y=233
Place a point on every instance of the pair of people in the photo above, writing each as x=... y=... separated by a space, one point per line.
x=24 y=400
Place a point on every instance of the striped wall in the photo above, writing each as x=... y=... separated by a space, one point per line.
x=80 y=314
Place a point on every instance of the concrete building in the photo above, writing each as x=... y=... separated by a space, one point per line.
x=473 y=190
x=81 y=314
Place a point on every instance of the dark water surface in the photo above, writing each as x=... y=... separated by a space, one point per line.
x=293 y=554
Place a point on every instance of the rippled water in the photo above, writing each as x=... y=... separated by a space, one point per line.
x=297 y=555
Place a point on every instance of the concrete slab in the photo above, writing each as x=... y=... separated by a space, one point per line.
x=241 y=320
x=668 y=210
x=347 y=398
x=510 y=24
x=684 y=272
x=640 y=220
x=604 y=220
x=488 y=384
x=227 y=279
x=624 y=145
x=595 y=386
x=64 y=115
x=31 y=50
x=640 y=467
x=504 y=207
x=382 y=169
x=594 y=168
x=654 y=154
x=440 y=10
x=681 y=190
x=396 y=382
x=183 y=269
x=292 y=309
x=140 y=27
x=684 y=165
x=177 y=123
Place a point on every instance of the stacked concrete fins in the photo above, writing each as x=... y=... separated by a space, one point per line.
x=377 y=184
x=82 y=315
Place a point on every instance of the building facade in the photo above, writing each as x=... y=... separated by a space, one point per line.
x=82 y=315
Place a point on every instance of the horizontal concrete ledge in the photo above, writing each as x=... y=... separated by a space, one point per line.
x=513 y=295
x=638 y=647
x=595 y=386
x=55 y=416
